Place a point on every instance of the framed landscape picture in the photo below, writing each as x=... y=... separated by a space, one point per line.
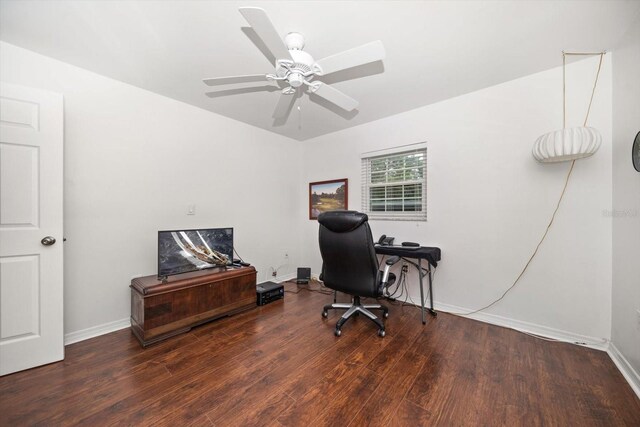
x=328 y=196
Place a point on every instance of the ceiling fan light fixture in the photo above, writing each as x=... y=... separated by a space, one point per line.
x=295 y=79
x=294 y=41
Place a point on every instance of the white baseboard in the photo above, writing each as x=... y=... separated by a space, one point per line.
x=280 y=279
x=597 y=343
x=531 y=328
x=105 y=328
x=630 y=374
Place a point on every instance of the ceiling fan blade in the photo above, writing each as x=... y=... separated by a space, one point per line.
x=360 y=55
x=260 y=22
x=336 y=97
x=215 y=81
x=284 y=105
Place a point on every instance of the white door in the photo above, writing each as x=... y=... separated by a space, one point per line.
x=31 y=281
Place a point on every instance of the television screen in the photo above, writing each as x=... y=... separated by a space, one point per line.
x=181 y=251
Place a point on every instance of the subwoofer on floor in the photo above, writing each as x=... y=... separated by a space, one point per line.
x=304 y=275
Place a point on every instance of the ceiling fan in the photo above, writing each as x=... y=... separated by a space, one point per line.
x=296 y=68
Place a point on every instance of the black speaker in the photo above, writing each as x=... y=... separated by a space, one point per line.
x=304 y=275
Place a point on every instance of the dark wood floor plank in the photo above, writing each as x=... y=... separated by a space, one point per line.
x=251 y=384
x=278 y=378
x=408 y=414
x=73 y=404
x=327 y=364
x=433 y=383
x=202 y=421
x=519 y=375
x=483 y=372
x=321 y=385
x=395 y=348
x=342 y=387
x=90 y=352
x=195 y=358
x=393 y=388
x=327 y=389
x=260 y=413
x=92 y=374
x=352 y=347
x=202 y=382
x=595 y=403
x=280 y=365
x=105 y=399
x=351 y=399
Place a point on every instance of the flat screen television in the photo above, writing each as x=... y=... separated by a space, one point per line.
x=183 y=251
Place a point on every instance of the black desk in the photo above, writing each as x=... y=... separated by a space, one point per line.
x=432 y=255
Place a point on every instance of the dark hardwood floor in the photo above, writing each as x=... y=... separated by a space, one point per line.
x=280 y=365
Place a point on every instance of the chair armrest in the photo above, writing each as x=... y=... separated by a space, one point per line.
x=392 y=260
x=385 y=274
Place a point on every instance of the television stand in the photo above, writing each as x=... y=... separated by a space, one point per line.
x=163 y=308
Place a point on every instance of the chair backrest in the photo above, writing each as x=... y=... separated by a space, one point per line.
x=348 y=253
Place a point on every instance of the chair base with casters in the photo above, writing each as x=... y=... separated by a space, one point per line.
x=354 y=309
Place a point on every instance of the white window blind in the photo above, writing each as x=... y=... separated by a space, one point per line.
x=394 y=186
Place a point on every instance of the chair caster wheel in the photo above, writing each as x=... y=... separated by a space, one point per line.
x=325 y=314
x=337 y=332
x=386 y=314
x=381 y=333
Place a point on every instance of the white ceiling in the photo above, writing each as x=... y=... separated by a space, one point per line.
x=434 y=49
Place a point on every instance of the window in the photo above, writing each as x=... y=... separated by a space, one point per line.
x=394 y=186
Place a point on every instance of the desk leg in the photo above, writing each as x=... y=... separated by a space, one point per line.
x=421 y=290
x=432 y=311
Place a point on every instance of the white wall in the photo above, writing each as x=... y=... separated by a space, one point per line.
x=626 y=199
x=489 y=202
x=134 y=160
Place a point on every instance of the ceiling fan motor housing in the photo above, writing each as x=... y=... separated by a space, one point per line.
x=297 y=72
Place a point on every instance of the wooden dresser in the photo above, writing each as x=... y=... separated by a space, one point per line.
x=161 y=310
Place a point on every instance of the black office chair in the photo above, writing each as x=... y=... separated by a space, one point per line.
x=350 y=265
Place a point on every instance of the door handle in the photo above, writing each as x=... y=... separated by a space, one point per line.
x=48 y=241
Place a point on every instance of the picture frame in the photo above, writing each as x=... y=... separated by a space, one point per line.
x=327 y=196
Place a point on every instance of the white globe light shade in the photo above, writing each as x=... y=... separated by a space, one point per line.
x=567 y=144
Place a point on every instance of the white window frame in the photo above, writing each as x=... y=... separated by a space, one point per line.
x=367 y=185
